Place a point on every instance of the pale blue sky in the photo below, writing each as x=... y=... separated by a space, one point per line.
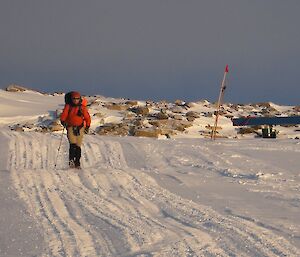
x=154 y=49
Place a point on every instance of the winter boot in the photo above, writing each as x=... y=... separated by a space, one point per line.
x=77 y=157
x=72 y=155
x=72 y=164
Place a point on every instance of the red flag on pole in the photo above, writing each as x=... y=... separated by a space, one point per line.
x=227 y=68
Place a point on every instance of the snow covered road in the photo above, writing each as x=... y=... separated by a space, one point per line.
x=145 y=197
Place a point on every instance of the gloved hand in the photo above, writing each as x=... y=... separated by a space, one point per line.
x=86 y=130
x=64 y=123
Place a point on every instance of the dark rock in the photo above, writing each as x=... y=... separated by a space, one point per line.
x=116 y=107
x=140 y=110
x=193 y=114
x=147 y=132
x=190 y=118
x=247 y=130
x=15 y=88
x=120 y=129
x=162 y=116
x=131 y=103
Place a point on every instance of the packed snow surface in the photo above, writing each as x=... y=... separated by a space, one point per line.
x=146 y=197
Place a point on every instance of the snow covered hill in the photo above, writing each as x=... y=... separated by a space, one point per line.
x=137 y=196
x=32 y=111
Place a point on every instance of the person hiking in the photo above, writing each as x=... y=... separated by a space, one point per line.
x=76 y=118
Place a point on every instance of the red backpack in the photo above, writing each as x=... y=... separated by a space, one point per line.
x=83 y=102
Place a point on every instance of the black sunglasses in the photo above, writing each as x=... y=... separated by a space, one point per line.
x=75 y=98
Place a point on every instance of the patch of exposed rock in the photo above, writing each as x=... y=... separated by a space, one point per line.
x=297 y=108
x=16 y=88
x=119 y=129
x=55 y=126
x=147 y=132
x=116 y=107
x=140 y=110
x=179 y=125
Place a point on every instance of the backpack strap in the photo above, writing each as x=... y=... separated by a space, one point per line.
x=79 y=113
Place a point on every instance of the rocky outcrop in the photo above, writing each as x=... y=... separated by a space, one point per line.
x=147 y=132
x=266 y=107
x=15 y=88
x=297 y=108
x=176 y=116
x=161 y=116
x=193 y=114
x=141 y=110
x=131 y=103
x=179 y=125
x=153 y=119
x=17 y=128
x=98 y=115
x=55 y=126
x=116 y=107
x=179 y=102
x=18 y=88
x=120 y=129
x=177 y=109
x=245 y=130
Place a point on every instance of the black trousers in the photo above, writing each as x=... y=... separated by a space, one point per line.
x=75 y=154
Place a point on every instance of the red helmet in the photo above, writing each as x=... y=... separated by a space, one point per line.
x=75 y=94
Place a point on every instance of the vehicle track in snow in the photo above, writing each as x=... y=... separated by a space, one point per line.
x=113 y=207
x=234 y=164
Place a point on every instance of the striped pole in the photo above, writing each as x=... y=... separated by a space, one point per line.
x=222 y=90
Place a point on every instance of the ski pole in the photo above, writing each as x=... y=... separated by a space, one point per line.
x=59 y=147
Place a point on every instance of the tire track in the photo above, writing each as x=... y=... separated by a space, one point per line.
x=112 y=209
x=249 y=232
x=133 y=211
x=67 y=237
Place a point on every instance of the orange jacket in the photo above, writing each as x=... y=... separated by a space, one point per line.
x=71 y=117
